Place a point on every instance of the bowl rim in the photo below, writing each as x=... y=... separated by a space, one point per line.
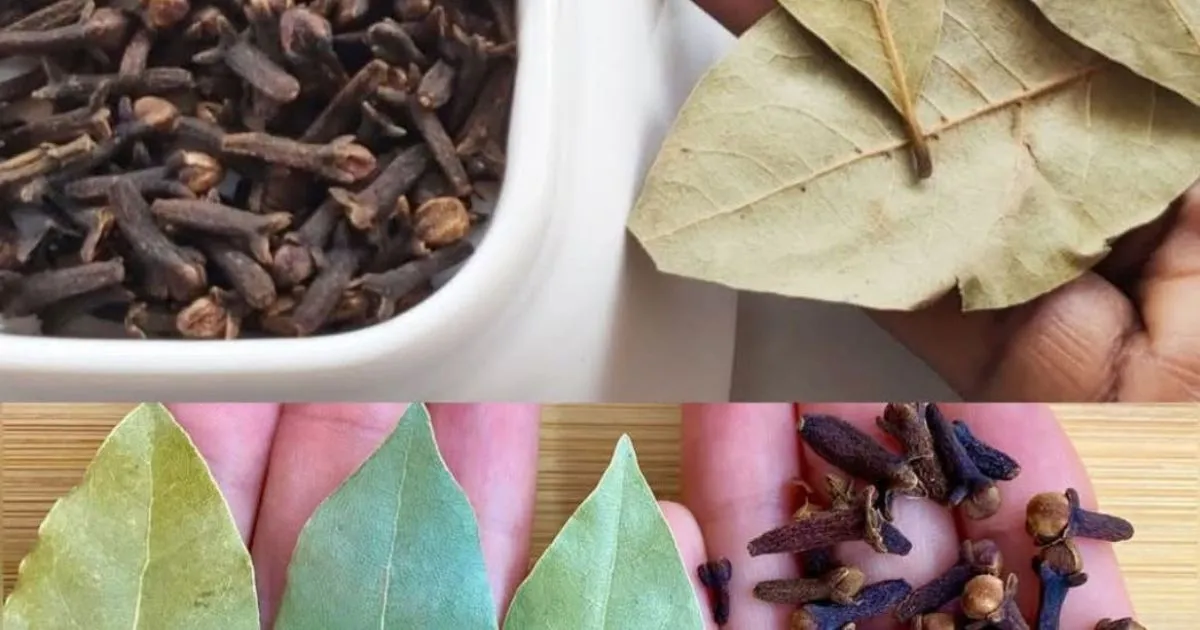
x=451 y=315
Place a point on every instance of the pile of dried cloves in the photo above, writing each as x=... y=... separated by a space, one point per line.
x=212 y=169
x=942 y=461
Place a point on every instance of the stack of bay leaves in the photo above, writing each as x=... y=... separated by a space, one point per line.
x=147 y=542
x=885 y=153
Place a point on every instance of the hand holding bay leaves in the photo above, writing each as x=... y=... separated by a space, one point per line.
x=1076 y=315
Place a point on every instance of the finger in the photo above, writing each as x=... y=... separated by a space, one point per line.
x=929 y=526
x=1032 y=436
x=1169 y=289
x=235 y=440
x=690 y=542
x=739 y=463
x=316 y=448
x=492 y=451
x=1067 y=345
x=737 y=15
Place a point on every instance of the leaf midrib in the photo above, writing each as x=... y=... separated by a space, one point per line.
x=897 y=65
x=387 y=581
x=141 y=587
x=608 y=592
x=1050 y=86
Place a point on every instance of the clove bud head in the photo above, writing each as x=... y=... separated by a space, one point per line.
x=157 y=113
x=200 y=172
x=1052 y=516
x=845 y=583
x=350 y=162
x=983 y=503
x=933 y=621
x=163 y=14
x=983 y=597
x=106 y=28
x=441 y=221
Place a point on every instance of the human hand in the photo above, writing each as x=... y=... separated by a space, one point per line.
x=739 y=463
x=1123 y=331
x=276 y=463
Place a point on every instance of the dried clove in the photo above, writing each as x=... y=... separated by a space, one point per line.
x=31 y=294
x=365 y=207
x=1119 y=624
x=430 y=127
x=341 y=160
x=252 y=282
x=253 y=65
x=53 y=15
x=221 y=220
x=976 y=492
x=44 y=160
x=392 y=286
x=209 y=317
x=991 y=603
x=715 y=576
x=184 y=278
x=975 y=558
x=934 y=621
x=323 y=294
x=990 y=461
x=841 y=444
x=1051 y=517
x=823 y=529
x=1059 y=571
x=105 y=29
x=906 y=423
x=441 y=221
x=841 y=586
x=62 y=315
x=875 y=599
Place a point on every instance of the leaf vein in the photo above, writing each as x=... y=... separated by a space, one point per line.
x=1083 y=72
x=983 y=44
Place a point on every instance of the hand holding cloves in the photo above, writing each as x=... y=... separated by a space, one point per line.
x=947 y=462
x=204 y=157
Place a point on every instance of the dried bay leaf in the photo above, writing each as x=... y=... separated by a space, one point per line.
x=1158 y=39
x=891 y=42
x=781 y=172
x=614 y=565
x=144 y=542
x=396 y=546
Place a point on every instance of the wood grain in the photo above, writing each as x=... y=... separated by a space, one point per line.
x=1145 y=462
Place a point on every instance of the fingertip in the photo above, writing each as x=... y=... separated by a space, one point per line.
x=235 y=442
x=690 y=542
x=492 y=451
x=737 y=15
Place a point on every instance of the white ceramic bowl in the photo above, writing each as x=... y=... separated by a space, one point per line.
x=40 y=367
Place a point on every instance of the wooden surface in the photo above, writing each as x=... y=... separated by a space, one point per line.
x=1145 y=461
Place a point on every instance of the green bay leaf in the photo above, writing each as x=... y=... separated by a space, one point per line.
x=396 y=546
x=1158 y=39
x=145 y=542
x=891 y=42
x=614 y=565
x=781 y=173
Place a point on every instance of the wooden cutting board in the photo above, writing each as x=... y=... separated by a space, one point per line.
x=1145 y=461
